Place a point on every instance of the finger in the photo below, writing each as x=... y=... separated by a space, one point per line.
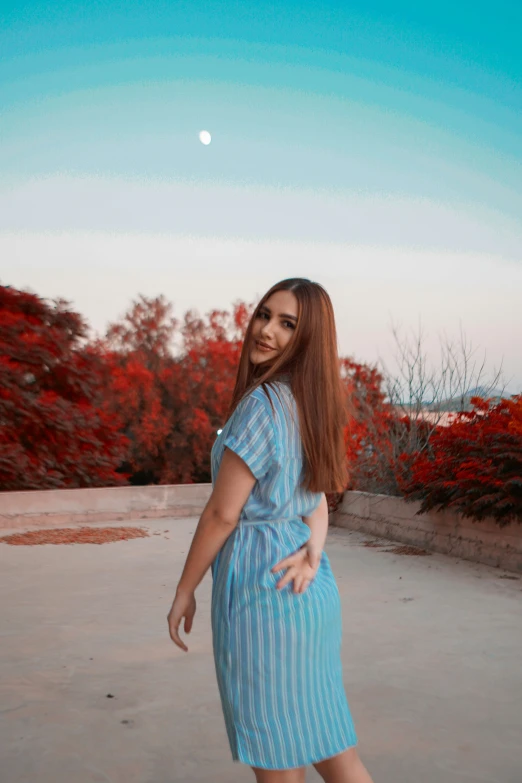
x=286 y=578
x=314 y=556
x=284 y=581
x=298 y=581
x=178 y=641
x=304 y=586
x=188 y=623
x=174 y=635
x=286 y=563
x=294 y=559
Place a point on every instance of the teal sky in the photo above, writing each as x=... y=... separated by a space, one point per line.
x=376 y=147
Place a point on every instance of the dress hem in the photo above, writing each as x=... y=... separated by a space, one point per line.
x=306 y=763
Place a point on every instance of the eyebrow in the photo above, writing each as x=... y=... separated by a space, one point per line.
x=283 y=315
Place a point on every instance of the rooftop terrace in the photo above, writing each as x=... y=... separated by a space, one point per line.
x=93 y=690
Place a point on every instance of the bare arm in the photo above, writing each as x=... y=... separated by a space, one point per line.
x=318 y=524
x=220 y=516
x=211 y=533
x=232 y=487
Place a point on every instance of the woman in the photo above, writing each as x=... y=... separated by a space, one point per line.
x=276 y=619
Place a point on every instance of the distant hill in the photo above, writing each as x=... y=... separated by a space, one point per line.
x=458 y=403
x=464 y=403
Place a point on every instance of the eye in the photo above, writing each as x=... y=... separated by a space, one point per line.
x=290 y=324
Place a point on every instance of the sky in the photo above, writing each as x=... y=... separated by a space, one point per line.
x=374 y=147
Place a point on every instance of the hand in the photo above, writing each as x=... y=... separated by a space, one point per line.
x=184 y=605
x=301 y=566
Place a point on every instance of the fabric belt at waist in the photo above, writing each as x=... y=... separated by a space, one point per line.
x=269 y=521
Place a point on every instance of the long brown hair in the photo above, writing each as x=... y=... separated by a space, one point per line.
x=311 y=361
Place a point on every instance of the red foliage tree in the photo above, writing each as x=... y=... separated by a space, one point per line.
x=54 y=429
x=202 y=382
x=146 y=329
x=473 y=466
x=138 y=350
x=369 y=449
x=173 y=405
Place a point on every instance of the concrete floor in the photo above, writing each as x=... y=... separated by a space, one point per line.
x=432 y=663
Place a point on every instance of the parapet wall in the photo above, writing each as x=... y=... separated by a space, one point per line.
x=379 y=515
x=445 y=532
x=54 y=507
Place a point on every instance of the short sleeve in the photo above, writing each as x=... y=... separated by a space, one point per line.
x=252 y=434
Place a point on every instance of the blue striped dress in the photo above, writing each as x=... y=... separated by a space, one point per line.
x=277 y=653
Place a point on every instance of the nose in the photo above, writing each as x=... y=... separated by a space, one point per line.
x=266 y=330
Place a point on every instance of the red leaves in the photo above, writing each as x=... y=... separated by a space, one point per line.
x=370 y=454
x=172 y=405
x=74 y=414
x=474 y=466
x=147 y=328
x=54 y=431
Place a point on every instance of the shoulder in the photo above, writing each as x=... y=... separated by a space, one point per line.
x=253 y=407
x=274 y=390
x=274 y=398
x=252 y=432
x=270 y=405
x=254 y=411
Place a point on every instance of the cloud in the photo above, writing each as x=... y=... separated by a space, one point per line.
x=371 y=287
x=214 y=209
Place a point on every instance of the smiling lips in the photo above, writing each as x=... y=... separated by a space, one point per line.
x=263 y=346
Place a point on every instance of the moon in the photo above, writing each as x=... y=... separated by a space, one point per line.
x=205 y=137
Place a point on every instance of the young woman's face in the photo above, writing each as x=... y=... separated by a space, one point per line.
x=273 y=327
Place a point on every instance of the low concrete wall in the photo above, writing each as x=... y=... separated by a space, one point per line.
x=445 y=532
x=48 y=508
